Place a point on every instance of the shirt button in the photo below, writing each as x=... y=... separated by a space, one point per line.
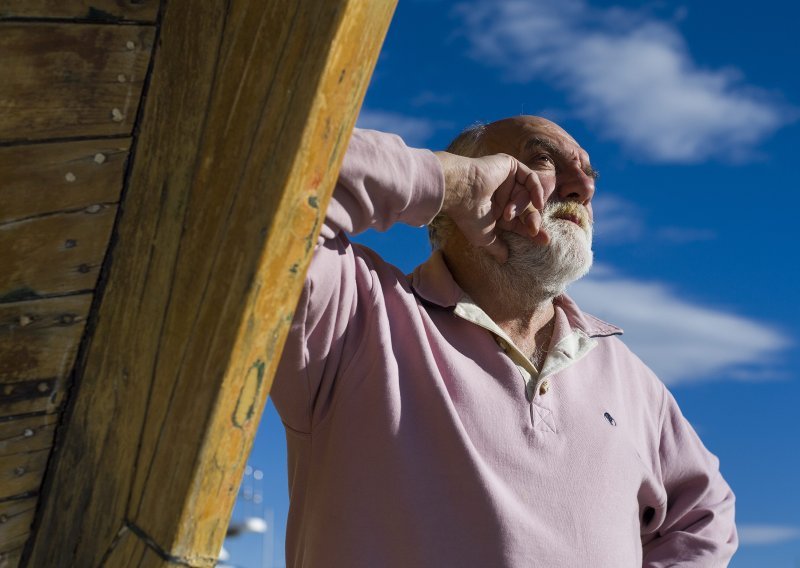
x=544 y=387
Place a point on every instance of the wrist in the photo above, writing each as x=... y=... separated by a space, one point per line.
x=456 y=173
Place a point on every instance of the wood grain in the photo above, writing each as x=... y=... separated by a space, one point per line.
x=54 y=254
x=16 y=517
x=68 y=80
x=97 y=10
x=218 y=225
x=46 y=178
x=22 y=473
x=10 y=558
x=26 y=434
x=38 y=342
x=28 y=397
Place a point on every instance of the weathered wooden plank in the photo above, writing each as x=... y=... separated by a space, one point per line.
x=27 y=434
x=26 y=397
x=131 y=550
x=126 y=550
x=45 y=178
x=22 y=473
x=16 y=518
x=65 y=80
x=218 y=225
x=54 y=254
x=11 y=557
x=100 y=10
x=39 y=340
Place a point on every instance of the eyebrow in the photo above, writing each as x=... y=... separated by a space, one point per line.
x=549 y=146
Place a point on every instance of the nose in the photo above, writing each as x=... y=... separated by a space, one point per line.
x=574 y=184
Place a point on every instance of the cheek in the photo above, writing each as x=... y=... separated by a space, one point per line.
x=548 y=182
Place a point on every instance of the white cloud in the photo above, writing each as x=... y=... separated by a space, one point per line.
x=429 y=98
x=627 y=74
x=619 y=221
x=766 y=534
x=616 y=220
x=414 y=131
x=681 y=340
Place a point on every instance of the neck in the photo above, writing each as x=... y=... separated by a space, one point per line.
x=521 y=310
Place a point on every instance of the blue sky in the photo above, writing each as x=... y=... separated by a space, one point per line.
x=690 y=112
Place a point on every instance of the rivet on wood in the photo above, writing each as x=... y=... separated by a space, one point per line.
x=130 y=45
x=93 y=208
x=3 y=518
x=121 y=78
x=99 y=158
x=25 y=320
x=84 y=268
x=67 y=319
x=19 y=471
x=28 y=433
x=42 y=387
x=70 y=243
x=70 y=177
x=116 y=115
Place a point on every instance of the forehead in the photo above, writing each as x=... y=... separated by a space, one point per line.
x=519 y=135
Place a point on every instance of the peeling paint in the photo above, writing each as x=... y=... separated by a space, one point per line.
x=248 y=396
x=310 y=239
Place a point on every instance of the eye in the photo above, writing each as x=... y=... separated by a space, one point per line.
x=543 y=159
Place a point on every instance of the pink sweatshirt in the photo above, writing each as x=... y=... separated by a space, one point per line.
x=419 y=436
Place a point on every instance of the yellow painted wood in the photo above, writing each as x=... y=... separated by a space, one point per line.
x=101 y=10
x=38 y=342
x=225 y=200
x=66 y=80
x=54 y=254
x=45 y=178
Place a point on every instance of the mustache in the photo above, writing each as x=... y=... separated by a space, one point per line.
x=569 y=211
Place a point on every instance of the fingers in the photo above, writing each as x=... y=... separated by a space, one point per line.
x=531 y=219
x=501 y=192
x=528 y=179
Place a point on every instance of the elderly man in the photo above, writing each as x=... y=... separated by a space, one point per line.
x=470 y=414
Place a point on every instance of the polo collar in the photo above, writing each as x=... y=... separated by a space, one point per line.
x=433 y=282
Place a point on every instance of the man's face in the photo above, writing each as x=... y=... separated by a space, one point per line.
x=562 y=165
x=568 y=182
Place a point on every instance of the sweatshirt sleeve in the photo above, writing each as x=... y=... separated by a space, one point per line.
x=698 y=528
x=381 y=182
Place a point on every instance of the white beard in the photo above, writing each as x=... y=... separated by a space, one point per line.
x=534 y=274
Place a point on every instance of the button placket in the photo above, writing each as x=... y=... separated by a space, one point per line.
x=542 y=417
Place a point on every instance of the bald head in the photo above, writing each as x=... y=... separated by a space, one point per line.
x=511 y=135
x=560 y=163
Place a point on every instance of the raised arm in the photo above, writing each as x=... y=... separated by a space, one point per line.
x=382 y=182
